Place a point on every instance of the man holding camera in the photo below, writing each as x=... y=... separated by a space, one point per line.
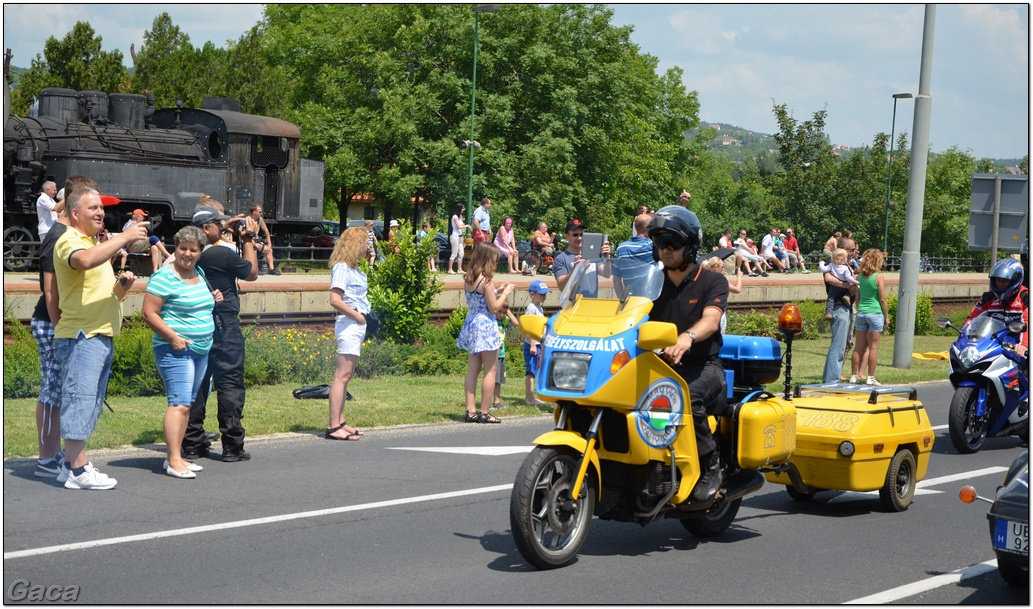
x=222 y=268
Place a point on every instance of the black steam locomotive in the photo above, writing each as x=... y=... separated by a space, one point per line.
x=161 y=161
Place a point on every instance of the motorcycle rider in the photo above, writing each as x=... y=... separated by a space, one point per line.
x=694 y=300
x=1008 y=299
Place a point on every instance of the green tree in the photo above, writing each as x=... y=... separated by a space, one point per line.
x=948 y=190
x=805 y=185
x=74 y=62
x=572 y=119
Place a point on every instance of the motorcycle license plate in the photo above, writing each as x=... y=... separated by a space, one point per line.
x=1011 y=536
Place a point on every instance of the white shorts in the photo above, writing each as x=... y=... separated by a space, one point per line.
x=350 y=335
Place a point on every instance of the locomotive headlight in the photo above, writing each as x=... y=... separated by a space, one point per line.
x=968 y=356
x=569 y=371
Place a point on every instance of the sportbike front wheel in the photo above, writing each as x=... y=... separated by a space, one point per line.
x=549 y=524
x=967 y=431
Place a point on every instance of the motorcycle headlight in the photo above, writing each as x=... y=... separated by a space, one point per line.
x=968 y=356
x=569 y=371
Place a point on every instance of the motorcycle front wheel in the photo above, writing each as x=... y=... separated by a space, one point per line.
x=550 y=525
x=967 y=431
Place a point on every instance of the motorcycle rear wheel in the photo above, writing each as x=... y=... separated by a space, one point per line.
x=967 y=434
x=549 y=525
x=713 y=522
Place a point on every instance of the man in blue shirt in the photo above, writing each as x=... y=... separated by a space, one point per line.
x=482 y=222
x=639 y=247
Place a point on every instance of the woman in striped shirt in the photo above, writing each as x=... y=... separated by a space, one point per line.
x=178 y=307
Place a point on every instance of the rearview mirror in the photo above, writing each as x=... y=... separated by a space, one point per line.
x=654 y=335
x=533 y=326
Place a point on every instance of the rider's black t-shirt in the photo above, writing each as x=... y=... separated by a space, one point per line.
x=683 y=305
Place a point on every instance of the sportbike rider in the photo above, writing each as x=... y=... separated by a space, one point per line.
x=693 y=299
x=1007 y=300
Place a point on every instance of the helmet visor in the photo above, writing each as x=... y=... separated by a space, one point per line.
x=669 y=241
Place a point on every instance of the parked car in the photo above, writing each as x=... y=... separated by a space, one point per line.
x=378 y=227
x=324 y=235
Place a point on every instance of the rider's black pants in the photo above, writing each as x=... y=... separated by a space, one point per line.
x=706 y=384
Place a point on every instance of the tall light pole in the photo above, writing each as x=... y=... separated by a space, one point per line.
x=477 y=10
x=889 y=178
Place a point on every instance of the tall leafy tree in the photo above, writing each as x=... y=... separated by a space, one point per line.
x=572 y=119
x=804 y=186
x=74 y=62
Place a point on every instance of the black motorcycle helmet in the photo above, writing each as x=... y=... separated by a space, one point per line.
x=1010 y=269
x=678 y=225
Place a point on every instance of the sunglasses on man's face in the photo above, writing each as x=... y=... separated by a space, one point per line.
x=669 y=243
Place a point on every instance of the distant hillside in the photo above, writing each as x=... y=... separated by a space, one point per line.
x=735 y=144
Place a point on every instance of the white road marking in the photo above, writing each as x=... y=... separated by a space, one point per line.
x=939 y=427
x=938 y=581
x=920 y=488
x=490 y=451
x=251 y=522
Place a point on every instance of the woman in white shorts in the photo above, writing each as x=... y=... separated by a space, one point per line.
x=348 y=296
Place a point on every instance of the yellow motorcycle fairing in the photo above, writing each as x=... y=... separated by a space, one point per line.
x=601 y=318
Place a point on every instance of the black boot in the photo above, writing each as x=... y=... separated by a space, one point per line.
x=710 y=480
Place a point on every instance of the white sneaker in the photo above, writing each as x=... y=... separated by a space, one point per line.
x=853 y=380
x=872 y=381
x=91 y=479
x=63 y=475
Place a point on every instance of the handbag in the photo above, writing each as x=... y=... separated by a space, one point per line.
x=316 y=392
x=372 y=323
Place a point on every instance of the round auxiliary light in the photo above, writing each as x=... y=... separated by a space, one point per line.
x=846 y=448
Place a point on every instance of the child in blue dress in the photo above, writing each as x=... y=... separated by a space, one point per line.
x=480 y=334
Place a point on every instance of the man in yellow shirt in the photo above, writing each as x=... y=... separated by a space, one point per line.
x=91 y=316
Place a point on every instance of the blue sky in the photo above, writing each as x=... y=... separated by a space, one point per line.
x=846 y=58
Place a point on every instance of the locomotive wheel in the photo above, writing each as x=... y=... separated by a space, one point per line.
x=715 y=521
x=967 y=432
x=549 y=525
x=899 y=490
x=19 y=249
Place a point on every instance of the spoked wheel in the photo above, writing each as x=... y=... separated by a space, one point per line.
x=549 y=525
x=713 y=522
x=899 y=490
x=967 y=431
x=19 y=249
x=533 y=259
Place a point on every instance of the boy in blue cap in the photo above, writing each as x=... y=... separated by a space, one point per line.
x=537 y=290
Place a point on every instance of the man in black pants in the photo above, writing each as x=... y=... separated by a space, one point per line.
x=693 y=299
x=222 y=268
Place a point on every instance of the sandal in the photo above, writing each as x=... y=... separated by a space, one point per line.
x=355 y=435
x=471 y=417
x=486 y=417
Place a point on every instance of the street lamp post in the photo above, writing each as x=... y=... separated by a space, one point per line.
x=477 y=10
x=889 y=178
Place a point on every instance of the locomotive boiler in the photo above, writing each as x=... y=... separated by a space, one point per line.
x=158 y=160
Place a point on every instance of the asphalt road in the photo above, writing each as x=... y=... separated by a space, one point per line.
x=420 y=515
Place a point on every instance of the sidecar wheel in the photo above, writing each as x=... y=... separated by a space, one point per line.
x=713 y=522
x=966 y=432
x=798 y=496
x=899 y=490
x=549 y=525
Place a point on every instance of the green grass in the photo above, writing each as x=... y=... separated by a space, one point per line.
x=400 y=400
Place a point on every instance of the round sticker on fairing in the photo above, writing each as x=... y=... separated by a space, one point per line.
x=659 y=412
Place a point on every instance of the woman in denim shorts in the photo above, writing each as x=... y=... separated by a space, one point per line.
x=178 y=307
x=872 y=317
